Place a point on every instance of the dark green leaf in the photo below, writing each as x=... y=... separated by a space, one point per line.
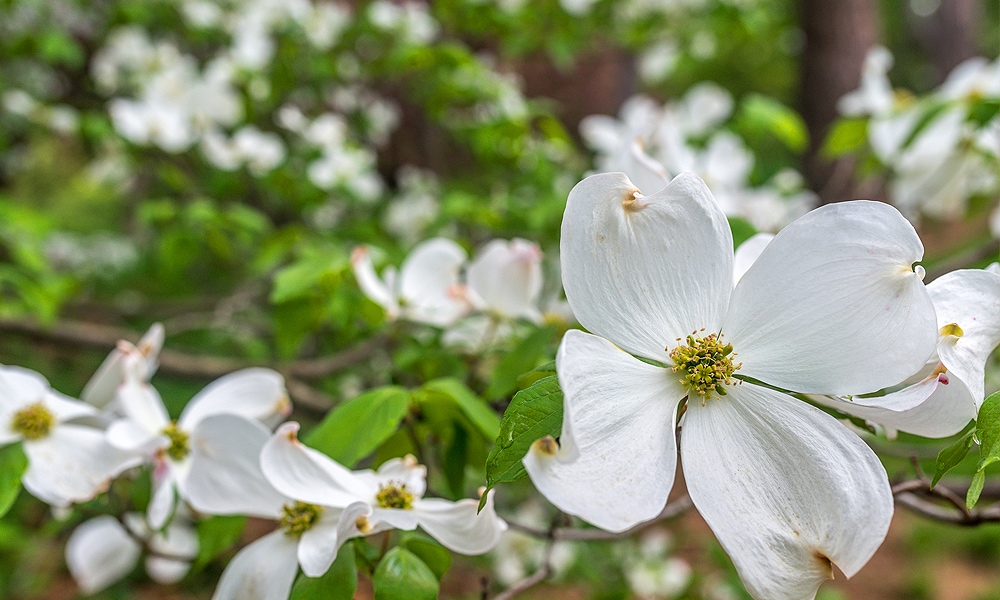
x=401 y=575
x=13 y=464
x=215 y=535
x=338 y=583
x=988 y=430
x=529 y=378
x=742 y=230
x=515 y=363
x=471 y=405
x=975 y=489
x=434 y=555
x=533 y=414
x=357 y=428
x=951 y=456
x=455 y=459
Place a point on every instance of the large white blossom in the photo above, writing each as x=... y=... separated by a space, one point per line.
x=832 y=305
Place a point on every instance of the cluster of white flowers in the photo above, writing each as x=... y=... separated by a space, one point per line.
x=478 y=302
x=218 y=458
x=651 y=143
x=831 y=306
x=939 y=153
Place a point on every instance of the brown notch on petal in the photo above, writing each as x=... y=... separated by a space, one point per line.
x=825 y=563
x=632 y=201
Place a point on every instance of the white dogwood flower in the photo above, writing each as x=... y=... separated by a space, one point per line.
x=505 y=279
x=425 y=290
x=103 y=385
x=950 y=389
x=67 y=461
x=832 y=303
x=217 y=437
x=325 y=505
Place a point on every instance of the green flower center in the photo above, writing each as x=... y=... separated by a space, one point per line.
x=394 y=495
x=180 y=441
x=299 y=517
x=33 y=422
x=706 y=365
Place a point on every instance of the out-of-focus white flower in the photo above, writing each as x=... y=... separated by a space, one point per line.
x=142 y=358
x=415 y=207
x=652 y=573
x=518 y=554
x=427 y=288
x=100 y=551
x=505 y=279
x=973 y=78
x=412 y=19
x=657 y=61
x=653 y=276
x=325 y=24
x=995 y=223
x=221 y=424
x=67 y=462
x=577 y=8
x=260 y=151
x=874 y=96
x=704 y=107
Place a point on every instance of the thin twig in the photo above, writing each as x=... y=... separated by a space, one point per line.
x=673 y=509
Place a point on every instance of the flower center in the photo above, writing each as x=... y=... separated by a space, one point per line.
x=706 y=365
x=33 y=422
x=180 y=444
x=394 y=495
x=299 y=517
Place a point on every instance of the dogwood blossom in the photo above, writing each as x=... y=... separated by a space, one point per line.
x=426 y=289
x=103 y=386
x=67 y=461
x=192 y=454
x=832 y=303
x=325 y=505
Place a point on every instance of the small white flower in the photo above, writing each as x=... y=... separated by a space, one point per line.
x=102 y=387
x=505 y=279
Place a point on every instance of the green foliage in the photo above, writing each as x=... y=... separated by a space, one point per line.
x=988 y=435
x=339 y=435
x=486 y=422
x=951 y=456
x=522 y=358
x=762 y=114
x=338 y=583
x=533 y=414
x=215 y=535
x=13 y=464
x=433 y=554
x=845 y=137
x=401 y=575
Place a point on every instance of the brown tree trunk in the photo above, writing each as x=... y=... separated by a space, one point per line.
x=838 y=35
x=949 y=34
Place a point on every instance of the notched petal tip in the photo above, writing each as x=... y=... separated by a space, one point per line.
x=290 y=430
x=546 y=446
x=826 y=565
x=951 y=329
x=358 y=254
x=633 y=201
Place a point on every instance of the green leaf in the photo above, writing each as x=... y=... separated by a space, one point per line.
x=356 y=428
x=455 y=458
x=948 y=458
x=763 y=113
x=988 y=430
x=742 y=230
x=533 y=414
x=305 y=278
x=215 y=535
x=338 y=583
x=471 y=405
x=518 y=361
x=434 y=555
x=13 y=464
x=528 y=379
x=846 y=136
x=975 y=489
x=401 y=575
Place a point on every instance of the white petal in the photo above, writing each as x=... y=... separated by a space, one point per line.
x=832 y=304
x=369 y=282
x=617 y=456
x=393 y=518
x=99 y=553
x=126 y=434
x=179 y=539
x=319 y=545
x=946 y=408
x=225 y=476
x=103 y=385
x=644 y=271
x=971 y=299
x=747 y=254
x=398 y=470
x=506 y=278
x=20 y=387
x=254 y=393
x=264 y=570
x=142 y=403
x=785 y=488
x=429 y=282
x=164 y=501
x=457 y=526
x=73 y=463
x=65 y=408
x=302 y=473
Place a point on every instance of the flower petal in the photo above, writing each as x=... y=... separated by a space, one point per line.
x=643 y=271
x=103 y=385
x=747 y=254
x=254 y=393
x=786 y=489
x=225 y=476
x=263 y=570
x=142 y=403
x=946 y=406
x=179 y=539
x=404 y=470
x=458 y=526
x=99 y=553
x=127 y=435
x=428 y=280
x=370 y=283
x=969 y=298
x=73 y=463
x=506 y=278
x=617 y=456
x=164 y=501
x=832 y=305
x=302 y=473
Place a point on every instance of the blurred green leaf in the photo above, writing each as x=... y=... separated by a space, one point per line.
x=356 y=428
x=846 y=136
x=988 y=430
x=528 y=379
x=975 y=489
x=533 y=414
x=338 y=583
x=763 y=113
x=517 y=362
x=478 y=411
x=13 y=464
x=215 y=535
x=742 y=230
x=434 y=555
x=401 y=575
